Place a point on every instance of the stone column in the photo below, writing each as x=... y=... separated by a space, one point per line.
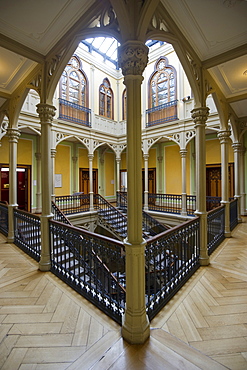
x=199 y=116
x=146 y=182
x=90 y=158
x=224 y=145
x=53 y=156
x=135 y=328
x=183 y=153
x=242 y=182
x=13 y=135
x=46 y=113
x=118 y=160
x=237 y=148
x=38 y=183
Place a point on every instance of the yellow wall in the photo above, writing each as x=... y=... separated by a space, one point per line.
x=83 y=158
x=62 y=166
x=152 y=158
x=109 y=173
x=173 y=180
x=4 y=150
x=123 y=161
x=24 y=151
x=213 y=152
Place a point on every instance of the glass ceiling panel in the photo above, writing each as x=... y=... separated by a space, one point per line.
x=107 y=48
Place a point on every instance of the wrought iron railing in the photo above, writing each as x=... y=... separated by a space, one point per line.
x=75 y=203
x=216 y=228
x=233 y=214
x=74 y=112
x=92 y=265
x=59 y=215
x=122 y=200
x=190 y=204
x=169 y=203
x=4 y=223
x=151 y=226
x=162 y=113
x=171 y=258
x=27 y=233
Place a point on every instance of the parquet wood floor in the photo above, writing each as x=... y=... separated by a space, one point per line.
x=45 y=325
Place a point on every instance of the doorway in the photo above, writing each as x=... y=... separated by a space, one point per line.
x=84 y=181
x=213 y=180
x=23 y=181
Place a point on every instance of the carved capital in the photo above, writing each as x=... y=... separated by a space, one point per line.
x=183 y=153
x=13 y=135
x=200 y=115
x=38 y=156
x=224 y=136
x=133 y=57
x=46 y=112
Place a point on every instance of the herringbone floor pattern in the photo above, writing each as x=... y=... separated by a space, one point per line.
x=45 y=325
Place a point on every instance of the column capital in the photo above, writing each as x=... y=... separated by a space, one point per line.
x=183 y=152
x=46 y=112
x=90 y=156
x=74 y=159
x=200 y=115
x=224 y=136
x=53 y=153
x=237 y=147
x=133 y=57
x=13 y=135
x=145 y=156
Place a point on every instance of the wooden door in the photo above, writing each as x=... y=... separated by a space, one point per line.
x=213 y=180
x=84 y=181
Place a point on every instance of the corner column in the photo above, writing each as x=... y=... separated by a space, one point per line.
x=13 y=135
x=183 y=153
x=224 y=137
x=146 y=182
x=237 y=148
x=46 y=113
x=135 y=329
x=199 y=116
x=90 y=159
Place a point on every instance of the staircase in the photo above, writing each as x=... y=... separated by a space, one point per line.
x=115 y=221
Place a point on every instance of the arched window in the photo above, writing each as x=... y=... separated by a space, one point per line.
x=124 y=104
x=106 y=99
x=74 y=93
x=162 y=93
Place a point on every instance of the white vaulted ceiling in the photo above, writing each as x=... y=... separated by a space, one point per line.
x=216 y=30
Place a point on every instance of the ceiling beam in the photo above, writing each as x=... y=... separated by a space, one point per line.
x=5 y=95
x=225 y=57
x=20 y=49
x=237 y=98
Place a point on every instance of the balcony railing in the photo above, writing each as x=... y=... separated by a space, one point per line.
x=4 y=224
x=216 y=228
x=75 y=203
x=74 y=112
x=162 y=113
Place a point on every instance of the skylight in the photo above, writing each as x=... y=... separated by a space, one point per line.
x=107 y=47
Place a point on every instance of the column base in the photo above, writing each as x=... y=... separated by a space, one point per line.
x=135 y=334
x=44 y=266
x=204 y=261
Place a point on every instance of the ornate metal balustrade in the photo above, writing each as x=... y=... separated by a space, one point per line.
x=27 y=233
x=75 y=203
x=169 y=203
x=92 y=265
x=4 y=224
x=216 y=228
x=171 y=258
x=74 y=112
x=162 y=113
x=212 y=202
x=190 y=204
x=151 y=226
x=233 y=214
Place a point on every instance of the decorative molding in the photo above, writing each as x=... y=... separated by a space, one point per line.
x=133 y=57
